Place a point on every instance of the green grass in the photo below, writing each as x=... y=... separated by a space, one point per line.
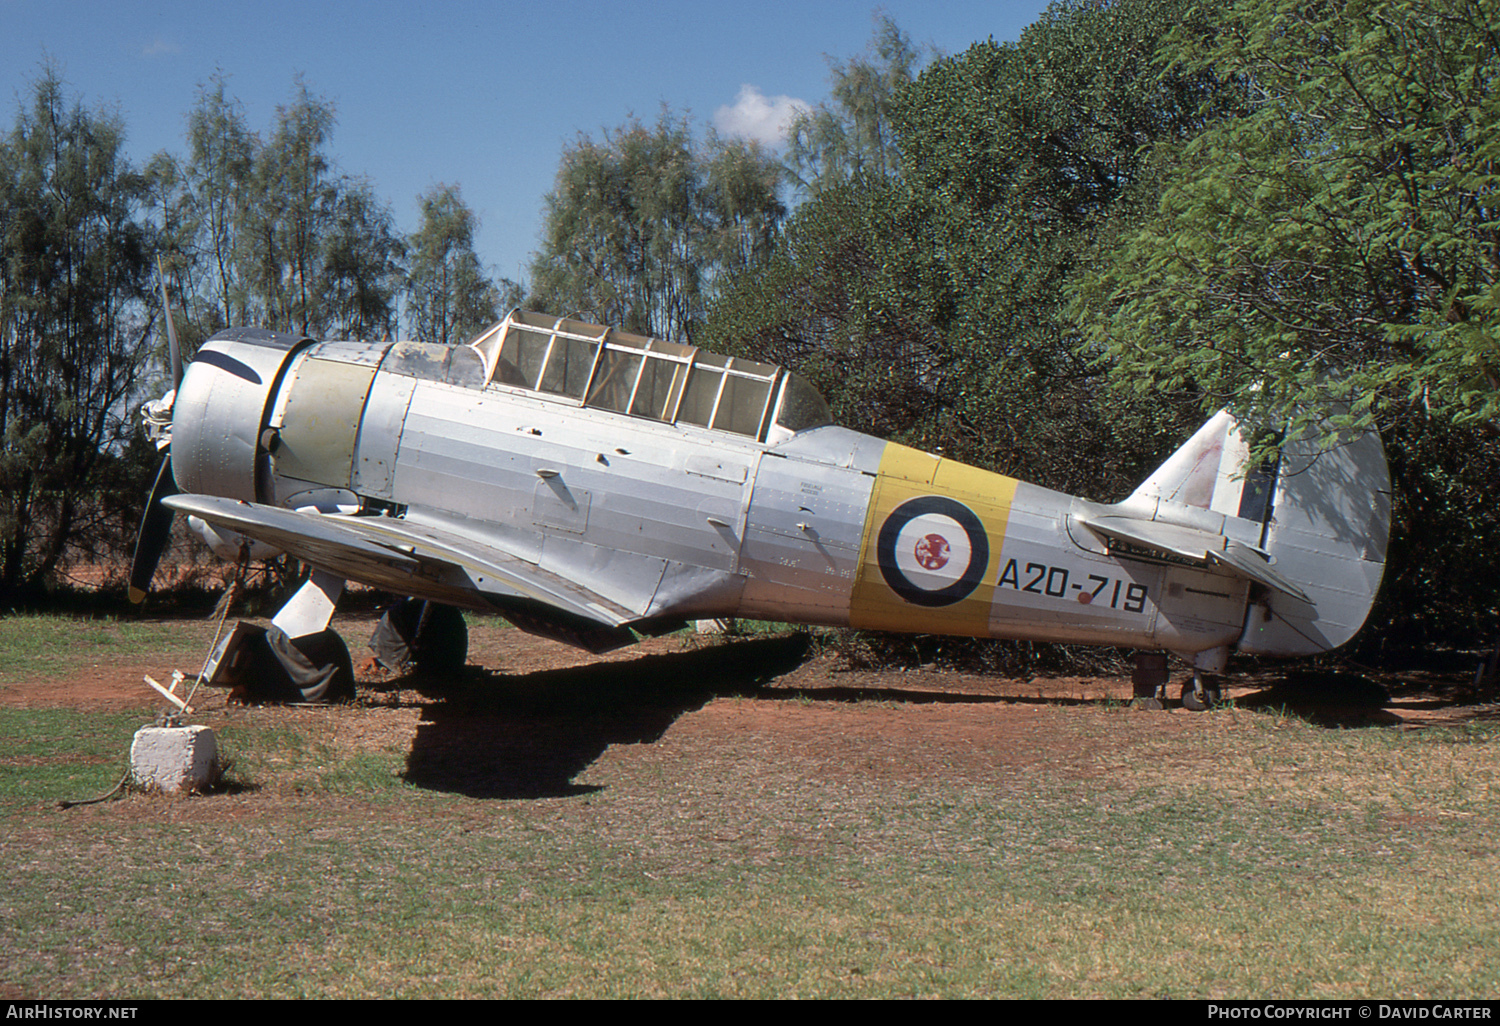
x=305 y=762
x=1041 y=887
x=51 y=755
x=46 y=647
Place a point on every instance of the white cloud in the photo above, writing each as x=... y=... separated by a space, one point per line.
x=754 y=115
x=159 y=47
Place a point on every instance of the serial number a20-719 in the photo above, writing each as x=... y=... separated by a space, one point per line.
x=1042 y=579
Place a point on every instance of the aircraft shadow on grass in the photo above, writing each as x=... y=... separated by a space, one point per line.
x=491 y=735
x=486 y=734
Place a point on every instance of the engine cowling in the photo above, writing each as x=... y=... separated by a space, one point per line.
x=221 y=410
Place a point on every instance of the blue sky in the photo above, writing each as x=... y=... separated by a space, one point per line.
x=481 y=93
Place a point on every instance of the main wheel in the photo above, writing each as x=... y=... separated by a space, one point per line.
x=427 y=636
x=1195 y=701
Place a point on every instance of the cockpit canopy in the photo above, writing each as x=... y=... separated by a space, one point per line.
x=646 y=377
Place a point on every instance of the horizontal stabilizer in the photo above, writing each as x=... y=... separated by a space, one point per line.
x=1173 y=543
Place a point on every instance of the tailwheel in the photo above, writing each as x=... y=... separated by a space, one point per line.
x=1200 y=693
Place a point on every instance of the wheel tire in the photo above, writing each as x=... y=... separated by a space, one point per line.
x=1194 y=702
x=418 y=635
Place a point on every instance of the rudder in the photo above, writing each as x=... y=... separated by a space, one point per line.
x=1329 y=524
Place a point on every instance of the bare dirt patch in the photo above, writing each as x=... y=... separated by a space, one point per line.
x=529 y=716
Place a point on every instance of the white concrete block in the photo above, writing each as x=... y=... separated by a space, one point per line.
x=172 y=759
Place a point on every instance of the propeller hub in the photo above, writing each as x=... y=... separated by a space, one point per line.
x=157 y=415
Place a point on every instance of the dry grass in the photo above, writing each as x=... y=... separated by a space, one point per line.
x=649 y=827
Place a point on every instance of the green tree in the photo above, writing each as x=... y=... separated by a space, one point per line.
x=931 y=305
x=1334 y=245
x=201 y=205
x=361 y=270
x=74 y=270
x=641 y=226
x=219 y=187
x=827 y=304
x=1330 y=249
x=278 y=236
x=293 y=200
x=851 y=135
x=449 y=299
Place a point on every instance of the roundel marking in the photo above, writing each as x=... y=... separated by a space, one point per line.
x=932 y=551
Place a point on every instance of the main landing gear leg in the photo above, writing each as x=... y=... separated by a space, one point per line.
x=299 y=659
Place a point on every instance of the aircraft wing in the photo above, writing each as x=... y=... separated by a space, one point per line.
x=413 y=559
x=1152 y=540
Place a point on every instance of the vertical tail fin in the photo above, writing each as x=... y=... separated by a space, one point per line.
x=1211 y=472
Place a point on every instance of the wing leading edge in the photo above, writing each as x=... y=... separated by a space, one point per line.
x=426 y=562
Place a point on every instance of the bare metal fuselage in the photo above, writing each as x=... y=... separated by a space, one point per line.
x=418 y=469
